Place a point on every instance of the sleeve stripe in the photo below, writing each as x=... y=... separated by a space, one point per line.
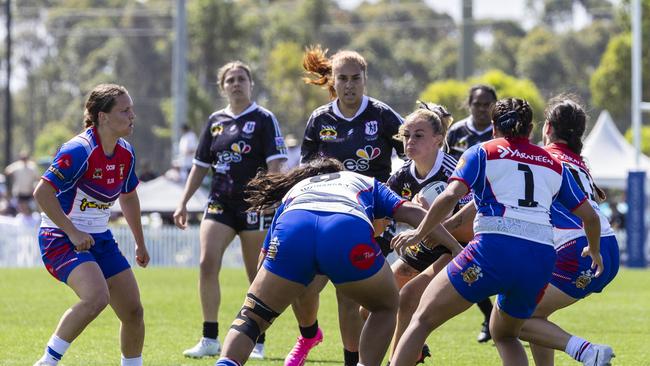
x=195 y=161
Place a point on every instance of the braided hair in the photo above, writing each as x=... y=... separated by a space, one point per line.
x=513 y=117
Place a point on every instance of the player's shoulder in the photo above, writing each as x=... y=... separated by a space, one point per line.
x=459 y=126
x=322 y=110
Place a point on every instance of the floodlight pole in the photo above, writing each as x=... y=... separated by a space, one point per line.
x=179 y=71
x=637 y=75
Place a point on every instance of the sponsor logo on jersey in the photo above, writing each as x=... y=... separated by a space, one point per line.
x=407 y=192
x=249 y=127
x=367 y=154
x=85 y=204
x=472 y=274
x=362 y=256
x=272 y=251
x=240 y=147
x=372 y=128
x=97 y=174
x=110 y=167
x=64 y=161
x=216 y=128
x=56 y=172
x=584 y=279
x=507 y=151
x=122 y=166
x=279 y=143
x=328 y=133
x=460 y=164
x=215 y=208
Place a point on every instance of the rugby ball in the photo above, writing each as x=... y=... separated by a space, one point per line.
x=431 y=191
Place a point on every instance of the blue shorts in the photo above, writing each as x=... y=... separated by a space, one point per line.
x=518 y=270
x=573 y=274
x=60 y=258
x=304 y=243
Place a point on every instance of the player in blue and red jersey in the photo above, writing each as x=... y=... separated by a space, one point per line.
x=514 y=184
x=236 y=142
x=358 y=131
x=573 y=278
x=323 y=226
x=88 y=174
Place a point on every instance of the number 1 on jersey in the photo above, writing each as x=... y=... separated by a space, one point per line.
x=529 y=187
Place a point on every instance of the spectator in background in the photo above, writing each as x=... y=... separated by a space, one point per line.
x=24 y=175
x=26 y=216
x=186 y=149
x=146 y=172
x=293 y=152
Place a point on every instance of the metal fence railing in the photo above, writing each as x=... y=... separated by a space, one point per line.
x=167 y=245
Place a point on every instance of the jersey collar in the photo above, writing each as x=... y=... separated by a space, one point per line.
x=250 y=108
x=434 y=169
x=471 y=127
x=362 y=107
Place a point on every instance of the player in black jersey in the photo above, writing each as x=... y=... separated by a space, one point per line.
x=236 y=142
x=358 y=131
x=477 y=127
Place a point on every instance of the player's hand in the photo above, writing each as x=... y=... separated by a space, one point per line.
x=405 y=239
x=81 y=241
x=141 y=255
x=421 y=201
x=596 y=260
x=180 y=217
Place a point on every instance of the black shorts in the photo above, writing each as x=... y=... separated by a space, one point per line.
x=420 y=256
x=234 y=214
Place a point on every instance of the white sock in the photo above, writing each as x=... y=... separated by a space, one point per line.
x=55 y=349
x=135 y=361
x=577 y=348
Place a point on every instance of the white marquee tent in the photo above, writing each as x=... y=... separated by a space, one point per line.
x=609 y=156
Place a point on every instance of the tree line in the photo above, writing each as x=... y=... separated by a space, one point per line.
x=63 y=48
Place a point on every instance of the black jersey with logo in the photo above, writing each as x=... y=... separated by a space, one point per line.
x=363 y=143
x=236 y=147
x=462 y=135
x=405 y=183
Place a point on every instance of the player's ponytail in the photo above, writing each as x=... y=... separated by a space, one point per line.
x=318 y=68
x=266 y=190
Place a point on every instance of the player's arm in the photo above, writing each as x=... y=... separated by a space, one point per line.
x=441 y=207
x=460 y=224
x=197 y=173
x=413 y=214
x=45 y=196
x=130 y=204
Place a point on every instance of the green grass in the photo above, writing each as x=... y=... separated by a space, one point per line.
x=32 y=303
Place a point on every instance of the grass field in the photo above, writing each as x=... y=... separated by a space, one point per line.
x=32 y=303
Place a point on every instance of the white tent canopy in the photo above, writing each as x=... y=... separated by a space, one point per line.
x=163 y=195
x=609 y=156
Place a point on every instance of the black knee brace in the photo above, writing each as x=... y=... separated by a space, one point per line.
x=248 y=326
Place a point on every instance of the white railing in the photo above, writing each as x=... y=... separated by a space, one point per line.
x=167 y=245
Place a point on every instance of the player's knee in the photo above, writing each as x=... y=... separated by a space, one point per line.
x=96 y=304
x=135 y=313
x=252 y=326
x=408 y=300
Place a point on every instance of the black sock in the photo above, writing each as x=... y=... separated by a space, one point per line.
x=211 y=330
x=261 y=338
x=351 y=358
x=310 y=331
x=486 y=308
